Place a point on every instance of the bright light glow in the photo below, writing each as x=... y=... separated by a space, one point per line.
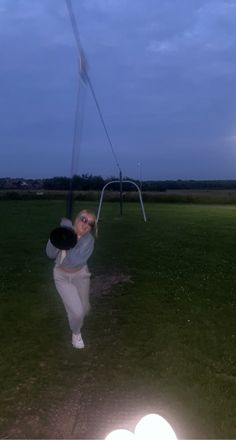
x=120 y=434
x=154 y=427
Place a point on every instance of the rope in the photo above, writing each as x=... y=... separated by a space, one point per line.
x=77 y=136
x=103 y=123
x=78 y=128
x=78 y=118
x=84 y=74
x=74 y=26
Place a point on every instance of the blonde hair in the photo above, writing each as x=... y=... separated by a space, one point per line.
x=94 y=229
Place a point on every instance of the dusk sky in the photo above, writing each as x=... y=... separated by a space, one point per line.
x=164 y=73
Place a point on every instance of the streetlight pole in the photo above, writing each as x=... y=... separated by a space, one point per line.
x=140 y=175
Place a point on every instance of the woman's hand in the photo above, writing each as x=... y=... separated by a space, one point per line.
x=66 y=222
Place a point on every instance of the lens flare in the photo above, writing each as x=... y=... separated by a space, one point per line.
x=154 y=427
x=120 y=434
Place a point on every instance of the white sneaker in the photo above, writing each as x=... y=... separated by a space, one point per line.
x=77 y=341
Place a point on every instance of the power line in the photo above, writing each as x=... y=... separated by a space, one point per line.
x=84 y=74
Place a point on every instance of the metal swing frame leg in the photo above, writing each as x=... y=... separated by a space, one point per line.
x=118 y=181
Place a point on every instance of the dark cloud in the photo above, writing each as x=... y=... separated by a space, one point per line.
x=163 y=72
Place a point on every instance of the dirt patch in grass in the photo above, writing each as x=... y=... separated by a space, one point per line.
x=102 y=284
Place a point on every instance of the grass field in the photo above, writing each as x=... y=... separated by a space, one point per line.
x=166 y=342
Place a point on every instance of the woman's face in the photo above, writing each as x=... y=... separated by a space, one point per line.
x=84 y=223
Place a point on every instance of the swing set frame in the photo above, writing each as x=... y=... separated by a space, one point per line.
x=121 y=197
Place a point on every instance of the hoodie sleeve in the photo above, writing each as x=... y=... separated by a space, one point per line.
x=79 y=255
x=66 y=222
x=51 y=250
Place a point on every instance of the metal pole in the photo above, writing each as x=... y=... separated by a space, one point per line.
x=140 y=197
x=140 y=175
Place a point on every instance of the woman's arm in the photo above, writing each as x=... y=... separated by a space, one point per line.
x=51 y=250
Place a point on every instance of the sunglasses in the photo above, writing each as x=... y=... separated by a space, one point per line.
x=86 y=221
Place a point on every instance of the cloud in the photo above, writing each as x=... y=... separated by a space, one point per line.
x=164 y=74
x=200 y=45
x=211 y=29
x=106 y=6
x=35 y=21
x=15 y=12
x=231 y=139
x=161 y=46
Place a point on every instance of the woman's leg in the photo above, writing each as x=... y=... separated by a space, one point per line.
x=81 y=281
x=70 y=298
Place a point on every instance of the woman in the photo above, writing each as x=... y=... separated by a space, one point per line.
x=71 y=274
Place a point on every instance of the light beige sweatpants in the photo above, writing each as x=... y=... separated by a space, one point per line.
x=73 y=289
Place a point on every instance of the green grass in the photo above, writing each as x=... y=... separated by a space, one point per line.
x=167 y=340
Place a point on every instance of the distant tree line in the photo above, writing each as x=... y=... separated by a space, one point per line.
x=88 y=182
x=163 y=185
